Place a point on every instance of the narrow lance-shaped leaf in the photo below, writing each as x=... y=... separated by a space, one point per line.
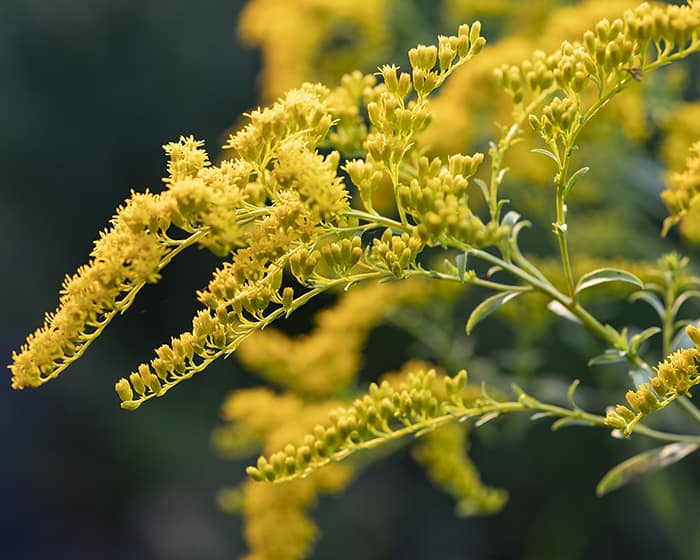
x=484 y=188
x=574 y=179
x=610 y=356
x=602 y=275
x=651 y=299
x=682 y=298
x=637 y=339
x=643 y=464
x=461 y=261
x=488 y=306
x=546 y=153
x=558 y=309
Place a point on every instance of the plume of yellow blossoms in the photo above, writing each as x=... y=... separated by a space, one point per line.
x=682 y=197
x=277 y=204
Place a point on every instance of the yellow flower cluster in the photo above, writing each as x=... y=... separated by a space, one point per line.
x=681 y=131
x=305 y=194
x=278 y=524
x=385 y=413
x=681 y=197
x=607 y=58
x=674 y=378
x=277 y=520
x=472 y=99
x=434 y=196
x=443 y=454
x=141 y=241
x=314 y=40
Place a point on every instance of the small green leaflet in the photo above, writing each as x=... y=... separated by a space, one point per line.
x=653 y=300
x=637 y=339
x=682 y=298
x=558 y=309
x=602 y=275
x=546 y=153
x=574 y=179
x=488 y=306
x=643 y=464
x=610 y=356
x=484 y=188
x=461 y=261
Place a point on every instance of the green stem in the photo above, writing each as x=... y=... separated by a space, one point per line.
x=545 y=287
x=560 y=230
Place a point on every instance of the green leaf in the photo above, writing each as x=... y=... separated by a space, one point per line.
x=484 y=188
x=558 y=309
x=488 y=306
x=462 y=264
x=602 y=275
x=574 y=179
x=450 y=267
x=510 y=219
x=640 y=376
x=546 y=153
x=565 y=422
x=643 y=464
x=570 y=393
x=682 y=298
x=610 y=356
x=486 y=418
x=538 y=415
x=637 y=339
x=499 y=207
x=650 y=299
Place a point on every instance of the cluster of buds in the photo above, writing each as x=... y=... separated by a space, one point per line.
x=396 y=253
x=386 y=149
x=367 y=176
x=437 y=201
x=302 y=263
x=301 y=112
x=674 y=378
x=390 y=115
x=535 y=75
x=674 y=25
x=397 y=84
x=349 y=131
x=343 y=255
x=173 y=360
x=368 y=421
x=557 y=118
x=607 y=48
x=681 y=195
x=426 y=77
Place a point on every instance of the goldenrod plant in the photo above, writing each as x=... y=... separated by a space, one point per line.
x=361 y=192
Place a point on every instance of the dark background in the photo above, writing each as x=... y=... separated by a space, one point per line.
x=89 y=91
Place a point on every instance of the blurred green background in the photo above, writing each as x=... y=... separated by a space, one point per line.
x=89 y=92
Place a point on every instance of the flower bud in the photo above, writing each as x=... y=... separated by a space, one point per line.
x=124 y=390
